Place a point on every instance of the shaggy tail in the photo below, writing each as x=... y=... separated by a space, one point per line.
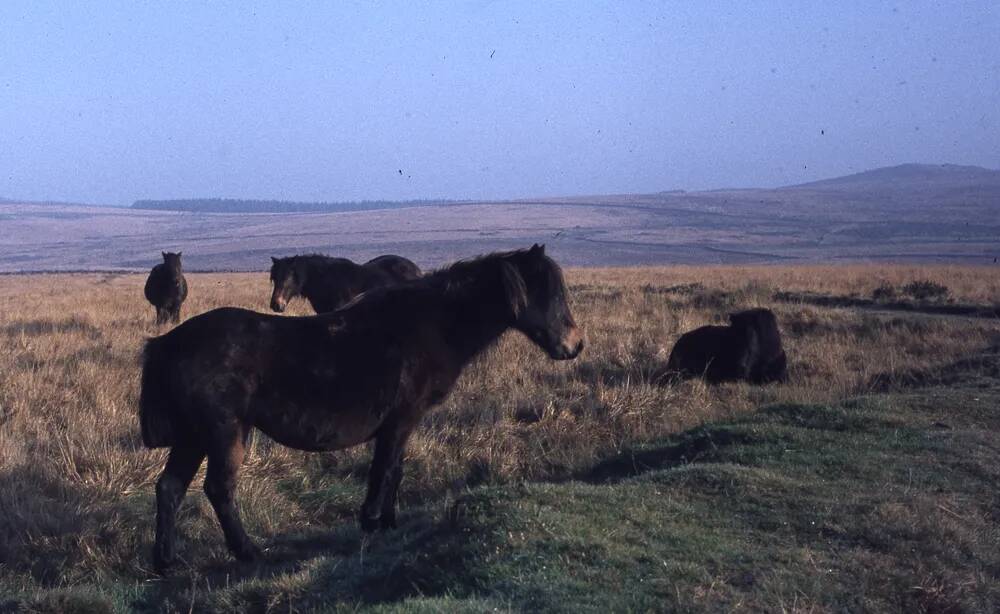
x=675 y=363
x=154 y=396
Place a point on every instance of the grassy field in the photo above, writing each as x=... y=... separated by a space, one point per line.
x=868 y=482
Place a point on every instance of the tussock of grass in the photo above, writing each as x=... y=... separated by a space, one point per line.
x=69 y=601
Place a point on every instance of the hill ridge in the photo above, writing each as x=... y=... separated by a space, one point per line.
x=259 y=205
x=908 y=172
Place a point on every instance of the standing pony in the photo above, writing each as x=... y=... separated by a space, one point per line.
x=166 y=288
x=368 y=371
x=328 y=283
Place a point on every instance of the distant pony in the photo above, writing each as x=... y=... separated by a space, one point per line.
x=328 y=283
x=166 y=288
x=368 y=371
x=749 y=349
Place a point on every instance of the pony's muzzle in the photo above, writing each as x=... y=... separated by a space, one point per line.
x=278 y=304
x=570 y=346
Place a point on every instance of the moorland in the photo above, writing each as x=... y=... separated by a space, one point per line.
x=867 y=482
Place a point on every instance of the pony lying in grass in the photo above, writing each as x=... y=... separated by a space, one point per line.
x=748 y=349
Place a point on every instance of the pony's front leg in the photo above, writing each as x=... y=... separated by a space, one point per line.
x=379 y=508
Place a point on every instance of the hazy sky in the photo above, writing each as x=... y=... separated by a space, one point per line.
x=111 y=103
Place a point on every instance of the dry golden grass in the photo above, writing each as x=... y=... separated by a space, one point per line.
x=968 y=284
x=77 y=485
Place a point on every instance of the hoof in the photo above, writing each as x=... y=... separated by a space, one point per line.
x=163 y=562
x=387 y=523
x=369 y=525
x=248 y=552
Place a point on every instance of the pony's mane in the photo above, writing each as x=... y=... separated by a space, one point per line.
x=467 y=266
x=315 y=258
x=460 y=277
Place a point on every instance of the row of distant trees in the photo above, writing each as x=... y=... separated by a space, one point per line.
x=237 y=205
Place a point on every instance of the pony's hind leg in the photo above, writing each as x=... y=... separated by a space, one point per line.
x=220 y=486
x=388 y=518
x=182 y=464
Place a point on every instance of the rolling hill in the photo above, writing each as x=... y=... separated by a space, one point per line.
x=913 y=212
x=910 y=177
x=239 y=205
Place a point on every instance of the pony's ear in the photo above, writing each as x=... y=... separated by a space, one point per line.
x=537 y=250
x=274 y=260
x=514 y=289
x=179 y=254
x=164 y=254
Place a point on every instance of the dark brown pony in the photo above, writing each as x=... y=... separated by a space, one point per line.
x=748 y=349
x=335 y=380
x=329 y=283
x=166 y=288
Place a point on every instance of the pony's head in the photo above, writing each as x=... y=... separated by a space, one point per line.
x=288 y=277
x=536 y=293
x=172 y=260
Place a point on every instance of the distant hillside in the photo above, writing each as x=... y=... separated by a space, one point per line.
x=910 y=177
x=235 y=205
x=47 y=203
x=913 y=213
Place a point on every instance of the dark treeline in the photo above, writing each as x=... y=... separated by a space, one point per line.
x=236 y=205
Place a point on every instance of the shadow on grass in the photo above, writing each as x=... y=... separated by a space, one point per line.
x=697 y=445
x=427 y=555
x=726 y=442
x=645 y=366
x=981 y=365
x=100 y=355
x=37 y=328
x=924 y=307
x=37 y=507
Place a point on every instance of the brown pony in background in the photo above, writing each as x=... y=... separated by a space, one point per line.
x=328 y=283
x=166 y=288
x=327 y=382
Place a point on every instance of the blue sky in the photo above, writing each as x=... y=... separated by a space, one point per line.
x=109 y=103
